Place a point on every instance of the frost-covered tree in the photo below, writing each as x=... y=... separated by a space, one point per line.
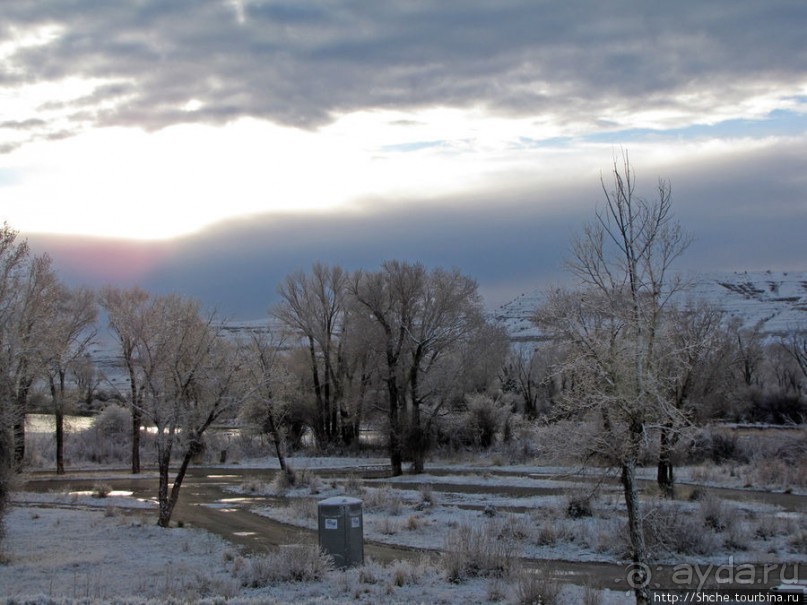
x=125 y=311
x=420 y=320
x=190 y=373
x=265 y=383
x=14 y=260
x=313 y=308
x=63 y=346
x=184 y=376
x=614 y=325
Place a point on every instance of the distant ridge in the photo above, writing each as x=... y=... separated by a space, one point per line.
x=775 y=300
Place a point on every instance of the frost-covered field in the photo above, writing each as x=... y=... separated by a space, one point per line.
x=81 y=548
x=68 y=549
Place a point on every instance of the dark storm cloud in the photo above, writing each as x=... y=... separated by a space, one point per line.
x=299 y=64
x=236 y=267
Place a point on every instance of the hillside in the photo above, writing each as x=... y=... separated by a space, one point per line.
x=775 y=300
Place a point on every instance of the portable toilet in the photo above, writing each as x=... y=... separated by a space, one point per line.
x=341 y=532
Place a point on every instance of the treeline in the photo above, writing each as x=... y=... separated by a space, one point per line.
x=396 y=349
x=403 y=351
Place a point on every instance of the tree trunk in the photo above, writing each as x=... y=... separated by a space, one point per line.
x=664 y=475
x=321 y=416
x=638 y=579
x=395 y=457
x=137 y=421
x=163 y=462
x=418 y=445
x=59 y=439
x=416 y=437
x=168 y=509
x=270 y=426
x=19 y=435
x=57 y=394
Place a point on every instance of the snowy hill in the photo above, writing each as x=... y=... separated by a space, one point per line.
x=775 y=300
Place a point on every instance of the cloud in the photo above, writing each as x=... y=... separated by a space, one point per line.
x=583 y=64
x=456 y=133
x=746 y=212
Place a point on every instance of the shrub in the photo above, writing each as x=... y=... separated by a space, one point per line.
x=547 y=535
x=426 y=493
x=799 y=542
x=404 y=573
x=578 y=506
x=768 y=527
x=353 y=485
x=384 y=499
x=370 y=572
x=537 y=587
x=726 y=448
x=296 y=563
x=388 y=527
x=484 y=418
x=668 y=528
x=714 y=514
x=101 y=490
x=113 y=421
x=285 y=481
x=477 y=551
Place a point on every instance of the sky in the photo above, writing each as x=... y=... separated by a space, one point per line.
x=211 y=147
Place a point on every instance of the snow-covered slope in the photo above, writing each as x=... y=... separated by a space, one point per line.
x=777 y=301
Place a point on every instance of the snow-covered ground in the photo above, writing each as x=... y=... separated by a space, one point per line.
x=77 y=547
x=68 y=548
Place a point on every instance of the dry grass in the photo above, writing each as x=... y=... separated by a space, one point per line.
x=537 y=587
x=670 y=529
x=483 y=550
x=384 y=499
x=295 y=563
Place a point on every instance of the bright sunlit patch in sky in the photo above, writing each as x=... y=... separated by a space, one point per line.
x=126 y=183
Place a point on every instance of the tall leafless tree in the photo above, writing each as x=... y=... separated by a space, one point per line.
x=190 y=373
x=14 y=256
x=313 y=307
x=125 y=311
x=623 y=260
x=389 y=297
x=421 y=319
x=265 y=382
x=63 y=345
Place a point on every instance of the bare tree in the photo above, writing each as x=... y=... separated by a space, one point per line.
x=63 y=346
x=30 y=328
x=795 y=345
x=13 y=258
x=186 y=374
x=623 y=260
x=690 y=339
x=265 y=381
x=750 y=353
x=421 y=319
x=313 y=307
x=389 y=297
x=125 y=311
x=528 y=372
x=446 y=312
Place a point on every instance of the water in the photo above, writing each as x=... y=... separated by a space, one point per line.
x=46 y=423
